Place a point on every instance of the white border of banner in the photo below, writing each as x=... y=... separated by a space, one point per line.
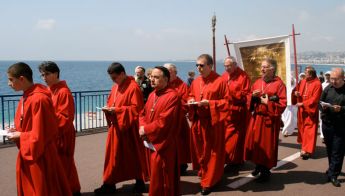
x=270 y=40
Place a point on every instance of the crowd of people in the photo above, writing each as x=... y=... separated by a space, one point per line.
x=157 y=124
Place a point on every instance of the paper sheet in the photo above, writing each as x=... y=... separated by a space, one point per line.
x=149 y=145
x=193 y=103
x=325 y=104
x=5 y=133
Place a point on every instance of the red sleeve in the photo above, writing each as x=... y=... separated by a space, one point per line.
x=126 y=115
x=241 y=95
x=183 y=92
x=157 y=129
x=220 y=108
x=191 y=108
x=65 y=108
x=277 y=108
x=310 y=105
x=33 y=141
x=110 y=118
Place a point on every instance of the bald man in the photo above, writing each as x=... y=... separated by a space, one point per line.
x=333 y=124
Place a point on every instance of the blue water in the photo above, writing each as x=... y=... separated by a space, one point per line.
x=92 y=75
x=88 y=75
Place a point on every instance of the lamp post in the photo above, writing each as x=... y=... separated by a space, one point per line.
x=214 y=40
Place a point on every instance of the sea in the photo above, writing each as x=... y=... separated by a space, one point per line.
x=92 y=75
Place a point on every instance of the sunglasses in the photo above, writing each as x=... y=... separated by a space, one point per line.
x=201 y=65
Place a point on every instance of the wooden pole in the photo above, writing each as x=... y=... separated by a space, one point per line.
x=227 y=45
x=214 y=40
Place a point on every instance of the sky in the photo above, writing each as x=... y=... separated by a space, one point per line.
x=160 y=29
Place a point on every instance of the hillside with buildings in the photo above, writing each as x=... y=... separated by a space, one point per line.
x=316 y=57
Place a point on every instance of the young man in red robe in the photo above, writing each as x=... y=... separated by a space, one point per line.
x=39 y=169
x=239 y=88
x=208 y=101
x=184 y=136
x=306 y=97
x=158 y=122
x=268 y=102
x=125 y=154
x=64 y=109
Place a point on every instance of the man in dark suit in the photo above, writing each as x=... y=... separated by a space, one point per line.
x=333 y=124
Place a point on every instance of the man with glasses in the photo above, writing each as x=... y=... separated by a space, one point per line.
x=267 y=103
x=306 y=97
x=333 y=126
x=63 y=103
x=39 y=169
x=208 y=109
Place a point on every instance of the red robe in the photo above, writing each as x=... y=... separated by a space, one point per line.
x=308 y=114
x=64 y=109
x=125 y=155
x=160 y=118
x=261 y=144
x=239 y=89
x=208 y=127
x=184 y=136
x=39 y=169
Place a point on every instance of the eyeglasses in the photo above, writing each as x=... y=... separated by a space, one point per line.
x=45 y=74
x=201 y=65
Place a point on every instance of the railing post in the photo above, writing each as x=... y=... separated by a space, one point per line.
x=2 y=112
x=80 y=113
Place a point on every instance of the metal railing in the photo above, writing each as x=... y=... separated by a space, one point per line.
x=85 y=102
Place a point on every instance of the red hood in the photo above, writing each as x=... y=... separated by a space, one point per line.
x=37 y=88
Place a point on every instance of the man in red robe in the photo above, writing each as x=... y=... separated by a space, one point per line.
x=158 y=123
x=64 y=109
x=268 y=102
x=239 y=88
x=184 y=136
x=125 y=154
x=208 y=100
x=306 y=96
x=39 y=169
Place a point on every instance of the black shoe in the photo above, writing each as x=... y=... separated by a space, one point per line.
x=305 y=156
x=105 y=189
x=139 y=186
x=205 y=191
x=183 y=169
x=256 y=171
x=77 y=194
x=335 y=182
x=264 y=177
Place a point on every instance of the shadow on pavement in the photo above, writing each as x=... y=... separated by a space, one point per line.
x=126 y=189
x=279 y=180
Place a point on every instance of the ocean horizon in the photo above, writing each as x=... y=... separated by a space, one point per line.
x=92 y=75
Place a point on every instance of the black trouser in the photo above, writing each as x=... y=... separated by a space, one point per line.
x=335 y=144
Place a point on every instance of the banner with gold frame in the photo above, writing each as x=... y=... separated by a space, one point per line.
x=250 y=54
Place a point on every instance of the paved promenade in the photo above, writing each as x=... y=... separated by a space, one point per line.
x=294 y=177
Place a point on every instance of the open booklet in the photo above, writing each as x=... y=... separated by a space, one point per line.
x=5 y=133
x=192 y=103
x=149 y=145
x=325 y=104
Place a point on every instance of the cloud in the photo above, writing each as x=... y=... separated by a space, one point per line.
x=342 y=8
x=45 y=24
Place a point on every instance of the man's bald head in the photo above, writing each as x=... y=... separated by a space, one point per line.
x=337 y=77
